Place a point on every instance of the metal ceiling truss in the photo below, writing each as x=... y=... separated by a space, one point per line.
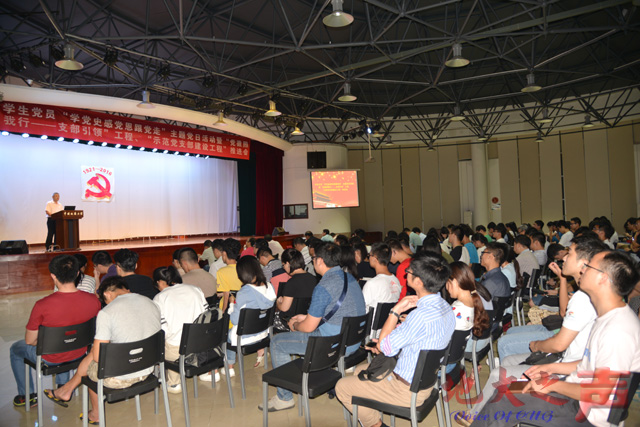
x=234 y=56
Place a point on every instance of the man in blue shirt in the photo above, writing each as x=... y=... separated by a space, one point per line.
x=324 y=298
x=428 y=327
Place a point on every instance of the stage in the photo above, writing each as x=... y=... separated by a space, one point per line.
x=30 y=272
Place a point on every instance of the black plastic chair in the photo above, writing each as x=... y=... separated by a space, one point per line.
x=518 y=307
x=118 y=359
x=500 y=304
x=355 y=330
x=197 y=338
x=308 y=377
x=453 y=354
x=53 y=340
x=477 y=355
x=300 y=306
x=381 y=315
x=620 y=410
x=426 y=376
x=252 y=321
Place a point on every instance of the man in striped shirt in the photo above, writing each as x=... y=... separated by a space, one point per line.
x=428 y=327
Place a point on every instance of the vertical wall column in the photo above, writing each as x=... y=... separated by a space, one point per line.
x=480 y=187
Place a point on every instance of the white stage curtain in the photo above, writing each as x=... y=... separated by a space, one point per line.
x=155 y=194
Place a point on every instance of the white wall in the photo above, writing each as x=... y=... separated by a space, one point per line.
x=297 y=189
x=154 y=195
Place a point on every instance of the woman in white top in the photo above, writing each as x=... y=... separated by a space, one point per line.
x=468 y=306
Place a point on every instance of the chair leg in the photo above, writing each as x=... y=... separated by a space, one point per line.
x=231 y=402
x=307 y=412
x=265 y=404
x=165 y=395
x=85 y=406
x=445 y=403
x=491 y=356
x=475 y=372
x=185 y=400
x=300 y=406
x=393 y=420
x=155 y=401
x=102 y=418
x=138 y=411
x=27 y=387
x=354 y=417
x=40 y=395
x=240 y=358
x=414 y=420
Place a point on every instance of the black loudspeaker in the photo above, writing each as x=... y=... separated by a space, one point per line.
x=278 y=231
x=13 y=247
x=316 y=160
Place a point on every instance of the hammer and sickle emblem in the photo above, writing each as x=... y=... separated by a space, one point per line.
x=104 y=190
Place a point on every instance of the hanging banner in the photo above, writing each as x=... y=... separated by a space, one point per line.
x=98 y=183
x=100 y=127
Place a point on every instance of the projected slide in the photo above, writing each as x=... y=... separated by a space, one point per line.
x=334 y=189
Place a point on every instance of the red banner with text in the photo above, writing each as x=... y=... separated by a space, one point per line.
x=100 y=127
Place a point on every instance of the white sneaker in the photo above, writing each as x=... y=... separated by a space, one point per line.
x=232 y=372
x=175 y=389
x=276 y=404
x=207 y=377
x=350 y=370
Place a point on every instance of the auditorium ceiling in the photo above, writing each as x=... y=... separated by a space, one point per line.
x=235 y=56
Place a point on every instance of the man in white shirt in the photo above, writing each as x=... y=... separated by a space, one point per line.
x=53 y=206
x=613 y=350
x=274 y=245
x=385 y=287
x=300 y=246
x=178 y=304
x=216 y=246
x=207 y=255
x=567 y=234
x=538 y=241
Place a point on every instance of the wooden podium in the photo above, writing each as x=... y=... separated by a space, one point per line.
x=67 y=234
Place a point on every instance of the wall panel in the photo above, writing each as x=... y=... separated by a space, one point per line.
x=596 y=163
x=373 y=192
x=509 y=181
x=449 y=184
x=411 y=194
x=358 y=215
x=575 y=182
x=622 y=174
x=529 y=162
x=550 y=179
x=392 y=190
x=430 y=186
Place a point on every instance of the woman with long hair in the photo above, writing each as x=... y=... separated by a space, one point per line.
x=468 y=307
x=256 y=292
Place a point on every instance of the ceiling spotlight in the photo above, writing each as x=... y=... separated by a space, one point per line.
x=338 y=18
x=25 y=135
x=129 y=147
x=76 y=140
x=61 y=138
x=344 y=137
x=56 y=53
x=197 y=155
x=43 y=136
x=272 y=112
x=370 y=159
x=68 y=62
x=243 y=89
x=111 y=57
x=17 y=65
x=220 y=121
x=90 y=143
x=5 y=133
x=141 y=148
x=154 y=150
x=376 y=133
x=482 y=136
x=389 y=142
x=545 y=117
x=531 y=84
x=145 y=101
x=165 y=151
x=539 y=137
x=347 y=96
x=118 y=145
x=587 y=122
x=186 y=154
x=104 y=144
x=176 y=153
x=297 y=132
x=457 y=115
x=209 y=81
x=431 y=148
x=457 y=60
x=206 y=157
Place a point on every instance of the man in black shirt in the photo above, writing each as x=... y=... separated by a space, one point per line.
x=126 y=263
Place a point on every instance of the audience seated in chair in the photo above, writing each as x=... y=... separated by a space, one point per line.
x=227 y=277
x=194 y=275
x=126 y=265
x=428 y=327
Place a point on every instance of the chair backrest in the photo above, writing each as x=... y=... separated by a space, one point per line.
x=299 y=306
x=126 y=358
x=525 y=280
x=620 y=410
x=427 y=369
x=255 y=320
x=499 y=305
x=382 y=312
x=535 y=276
x=198 y=337
x=356 y=329
x=60 y=339
x=323 y=352
x=457 y=345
